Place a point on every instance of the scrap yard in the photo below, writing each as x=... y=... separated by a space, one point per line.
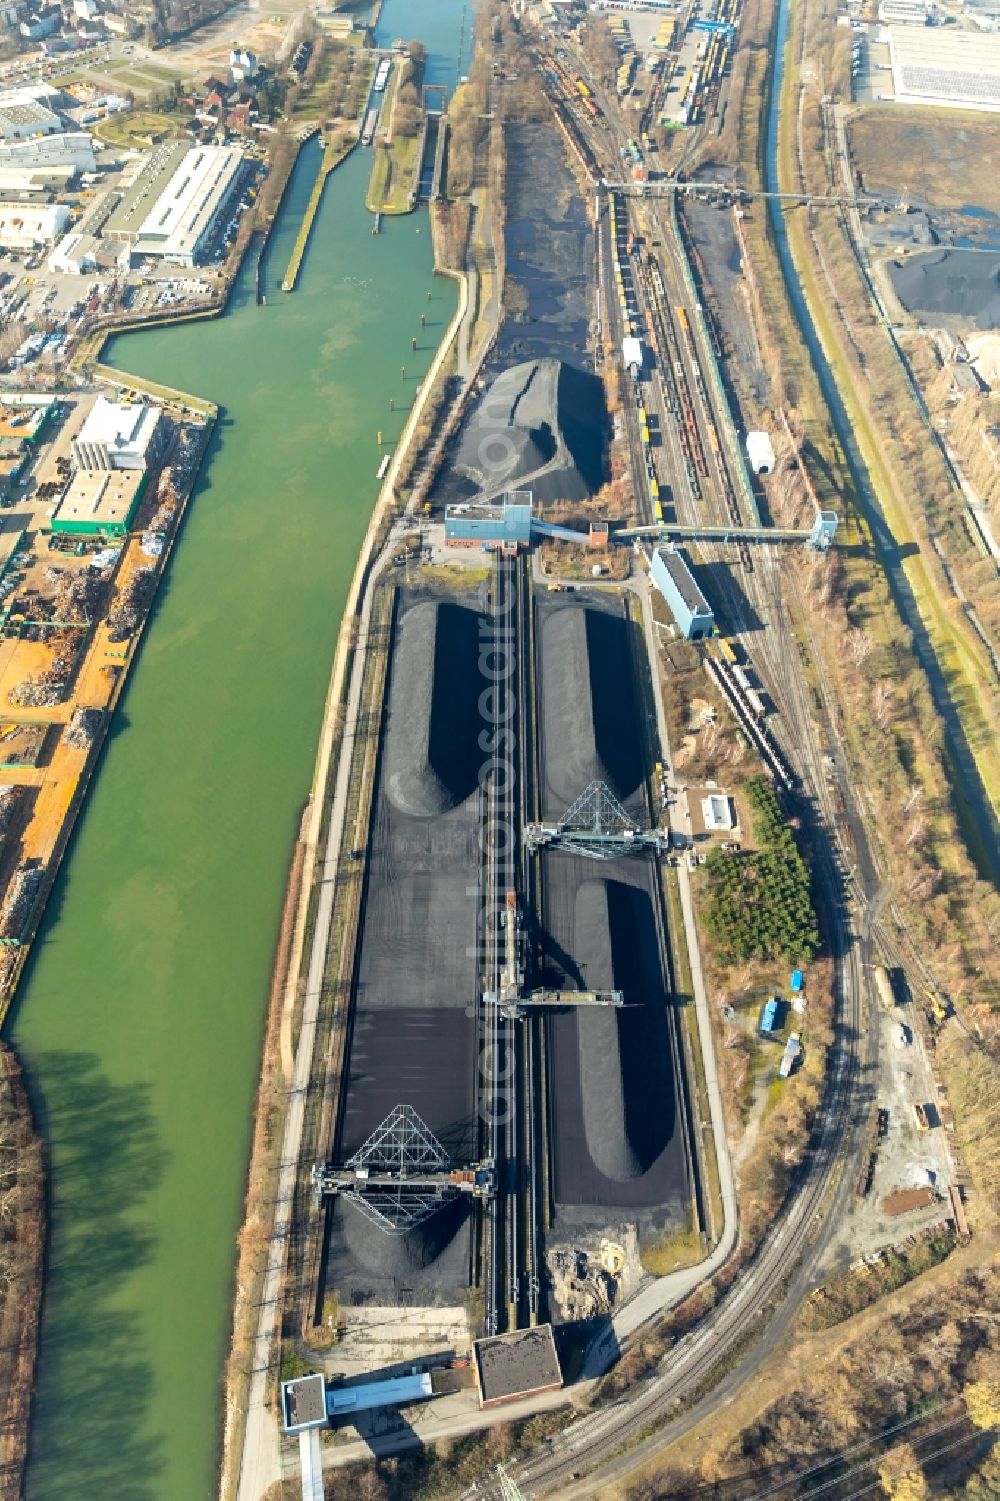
x=84 y=533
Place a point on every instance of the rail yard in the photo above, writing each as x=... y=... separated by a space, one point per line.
x=605 y=1054
x=512 y=1007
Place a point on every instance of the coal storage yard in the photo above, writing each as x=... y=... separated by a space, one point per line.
x=617 y=1127
x=413 y=1033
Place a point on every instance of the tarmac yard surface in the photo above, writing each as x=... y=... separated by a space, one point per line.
x=943 y=284
x=550 y=252
x=413 y=1038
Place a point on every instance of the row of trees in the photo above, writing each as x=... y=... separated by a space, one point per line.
x=467 y=127
x=759 y=904
x=20 y=1268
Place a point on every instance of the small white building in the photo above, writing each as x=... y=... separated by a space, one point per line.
x=25 y=226
x=119 y=435
x=907 y=12
x=717 y=813
x=75 y=255
x=762 y=460
x=243 y=64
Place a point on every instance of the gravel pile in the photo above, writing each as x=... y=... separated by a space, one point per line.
x=533 y=429
x=950 y=283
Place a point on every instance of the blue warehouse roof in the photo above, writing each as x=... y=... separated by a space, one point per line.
x=508 y=524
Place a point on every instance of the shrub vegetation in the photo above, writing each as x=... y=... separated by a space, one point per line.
x=759 y=904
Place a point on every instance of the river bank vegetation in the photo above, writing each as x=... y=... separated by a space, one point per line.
x=915 y=486
x=21 y=1244
x=868 y=678
x=396 y=168
x=912 y=1399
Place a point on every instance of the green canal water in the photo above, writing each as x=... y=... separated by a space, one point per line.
x=140 y=1018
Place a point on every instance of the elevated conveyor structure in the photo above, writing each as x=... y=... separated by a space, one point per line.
x=818 y=537
x=511 y=996
x=402 y=1174
x=597 y=827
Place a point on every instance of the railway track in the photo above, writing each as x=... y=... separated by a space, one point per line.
x=754 y=1312
x=798 y=1236
x=592 y=1441
x=534 y=1173
x=513 y=1091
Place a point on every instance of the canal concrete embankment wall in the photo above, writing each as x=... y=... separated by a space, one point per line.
x=331 y=160
x=439 y=149
x=349 y=658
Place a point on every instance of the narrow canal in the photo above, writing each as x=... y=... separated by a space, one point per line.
x=140 y=1018
x=972 y=802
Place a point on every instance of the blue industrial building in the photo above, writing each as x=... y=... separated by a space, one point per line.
x=505 y=526
x=686 y=603
x=307 y=1402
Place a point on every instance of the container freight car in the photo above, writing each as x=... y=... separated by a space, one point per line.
x=883 y=985
x=632 y=357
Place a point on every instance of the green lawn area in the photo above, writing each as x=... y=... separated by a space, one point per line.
x=138 y=128
x=393 y=176
x=156 y=70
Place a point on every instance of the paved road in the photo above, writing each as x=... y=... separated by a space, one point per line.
x=666 y=1292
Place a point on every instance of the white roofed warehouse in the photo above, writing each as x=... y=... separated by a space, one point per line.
x=21 y=118
x=25 y=225
x=957 y=69
x=179 y=201
x=120 y=435
x=761 y=453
